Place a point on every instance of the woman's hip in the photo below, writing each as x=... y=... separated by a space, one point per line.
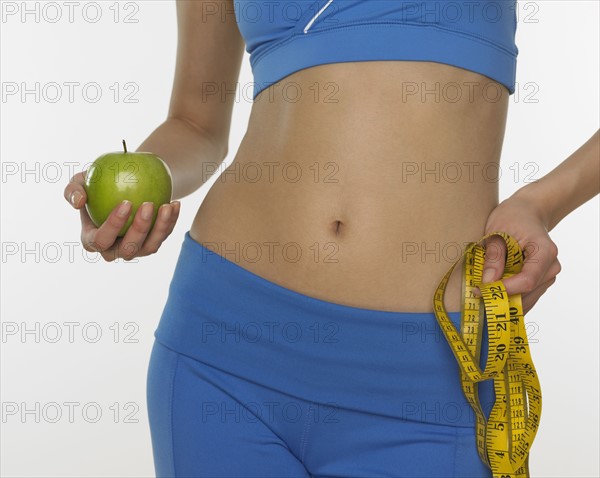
x=396 y=364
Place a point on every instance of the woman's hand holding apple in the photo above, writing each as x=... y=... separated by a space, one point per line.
x=117 y=227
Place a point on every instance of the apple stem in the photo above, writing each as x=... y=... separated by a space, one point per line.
x=124 y=146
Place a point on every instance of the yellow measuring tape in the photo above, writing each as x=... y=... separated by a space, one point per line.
x=504 y=440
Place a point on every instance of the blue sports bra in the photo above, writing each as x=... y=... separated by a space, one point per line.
x=284 y=36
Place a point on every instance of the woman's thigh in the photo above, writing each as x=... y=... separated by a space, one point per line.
x=206 y=423
x=355 y=444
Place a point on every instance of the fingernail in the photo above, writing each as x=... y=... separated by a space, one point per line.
x=124 y=209
x=147 y=210
x=488 y=275
x=165 y=212
x=75 y=198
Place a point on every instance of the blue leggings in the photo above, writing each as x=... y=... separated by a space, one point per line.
x=250 y=379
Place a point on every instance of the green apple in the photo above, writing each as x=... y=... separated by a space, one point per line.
x=137 y=177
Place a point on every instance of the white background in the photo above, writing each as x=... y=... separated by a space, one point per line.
x=555 y=111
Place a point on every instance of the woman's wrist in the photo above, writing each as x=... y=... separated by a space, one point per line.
x=568 y=186
x=192 y=157
x=536 y=196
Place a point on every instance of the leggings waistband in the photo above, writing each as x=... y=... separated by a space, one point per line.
x=390 y=363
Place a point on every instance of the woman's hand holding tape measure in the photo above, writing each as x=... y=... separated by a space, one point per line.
x=519 y=217
x=504 y=274
x=504 y=438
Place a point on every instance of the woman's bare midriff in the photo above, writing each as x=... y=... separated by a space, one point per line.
x=360 y=183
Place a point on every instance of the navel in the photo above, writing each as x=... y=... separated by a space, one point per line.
x=337 y=227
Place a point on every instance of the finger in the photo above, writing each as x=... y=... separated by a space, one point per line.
x=136 y=234
x=105 y=236
x=495 y=258
x=112 y=253
x=86 y=222
x=174 y=215
x=75 y=192
x=165 y=222
x=534 y=270
x=529 y=300
x=552 y=271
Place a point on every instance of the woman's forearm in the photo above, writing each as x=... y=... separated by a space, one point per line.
x=191 y=155
x=569 y=185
